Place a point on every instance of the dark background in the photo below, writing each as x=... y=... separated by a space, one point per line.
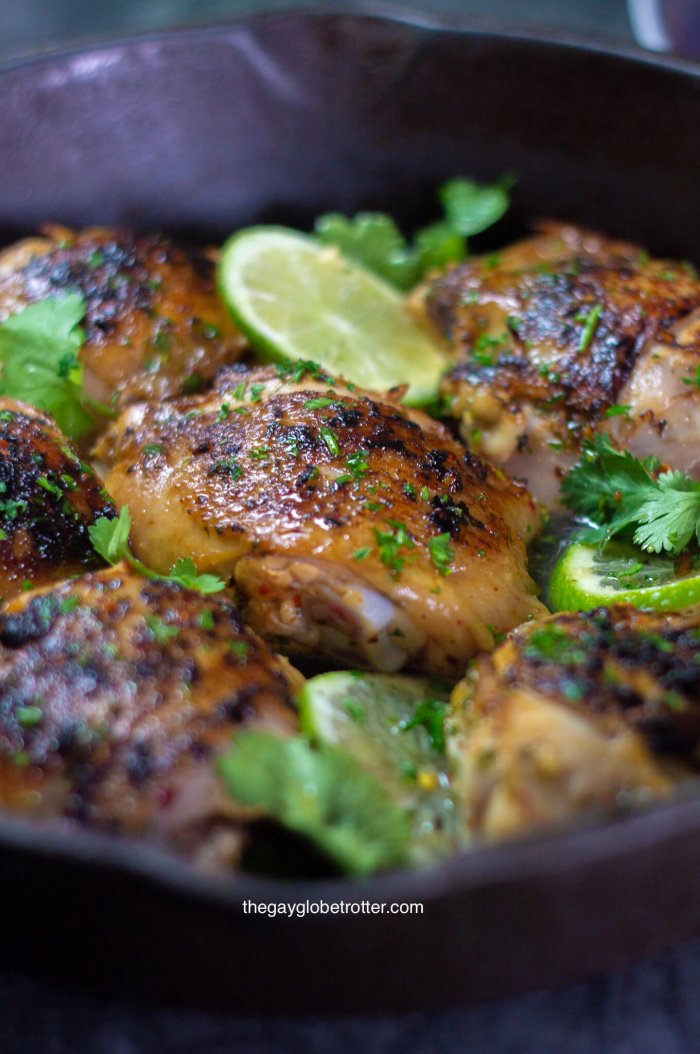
x=652 y=1009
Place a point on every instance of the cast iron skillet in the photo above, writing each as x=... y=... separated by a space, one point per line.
x=279 y=118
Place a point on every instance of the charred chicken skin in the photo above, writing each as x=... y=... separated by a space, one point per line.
x=354 y=529
x=117 y=694
x=565 y=333
x=579 y=711
x=48 y=500
x=154 y=326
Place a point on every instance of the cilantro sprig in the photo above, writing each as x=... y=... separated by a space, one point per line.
x=321 y=793
x=374 y=239
x=110 y=538
x=39 y=348
x=620 y=494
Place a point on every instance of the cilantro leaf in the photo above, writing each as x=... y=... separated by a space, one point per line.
x=471 y=208
x=374 y=240
x=38 y=358
x=184 y=571
x=437 y=246
x=617 y=492
x=110 y=538
x=669 y=517
x=321 y=793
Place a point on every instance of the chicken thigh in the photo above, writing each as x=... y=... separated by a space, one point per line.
x=566 y=333
x=48 y=500
x=116 y=696
x=355 y=529
x=154 y=325
x=582 y=710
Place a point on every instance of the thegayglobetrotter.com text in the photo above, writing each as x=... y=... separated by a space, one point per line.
x=299 y=909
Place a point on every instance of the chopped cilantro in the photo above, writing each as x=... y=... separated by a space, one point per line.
x=228 y=465
x=28 y=716
x=441 y=552
x=618 y=410
x=162 y=631
x=358 y=464
x=330 y=439
x=320 y=402
x=590 y=321
x=205 y=619
x=391 y=543
x=694 y=378
x=431 y=716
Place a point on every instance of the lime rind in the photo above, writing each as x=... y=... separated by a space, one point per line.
x=578 y=583
x=294 y=298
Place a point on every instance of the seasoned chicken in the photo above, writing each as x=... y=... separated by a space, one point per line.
x=154 y=325
x=355 y=529
x=48 y=499
x=570 y=332
x=581 y=710
x=116 y=696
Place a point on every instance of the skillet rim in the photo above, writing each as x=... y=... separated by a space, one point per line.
x=588 y=840
x=432 y=23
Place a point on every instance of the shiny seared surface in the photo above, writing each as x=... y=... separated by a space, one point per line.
x=583 y=709
x=48 y=500
x=116 y=695
x=326 y=505
x=154 y=325
x=566 y=332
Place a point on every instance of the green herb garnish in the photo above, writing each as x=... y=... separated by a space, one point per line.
x=619 y=493
x=441 y=552
x=321 y=793
x=373 y=238
x=38 y=358
x=110 y=538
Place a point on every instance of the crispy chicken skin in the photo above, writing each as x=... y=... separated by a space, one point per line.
x=116 y=695
x=355 y=529
x=48 y=499
x=581 y=710
x=154 y=325
x=565 y=333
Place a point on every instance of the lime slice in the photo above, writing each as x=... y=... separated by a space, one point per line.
x=586 y=578
x=393 y=726
x=297 y=299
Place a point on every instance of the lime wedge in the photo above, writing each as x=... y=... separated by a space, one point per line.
x=297 y=299
x=586 y=578
x=393 y=727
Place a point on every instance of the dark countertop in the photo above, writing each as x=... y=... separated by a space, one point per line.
x=651 y=1009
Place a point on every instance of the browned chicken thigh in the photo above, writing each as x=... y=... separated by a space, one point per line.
x=355 y=529
x=48 y=500
x=570 y=332
x=154 y=325
x=582 y=710
x=117 y=694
